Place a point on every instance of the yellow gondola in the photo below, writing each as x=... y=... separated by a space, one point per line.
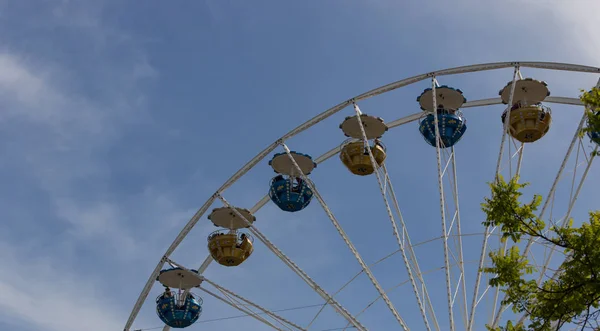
x=230 y=248
x=529 y=119
x=356 y=158
x=528 y=123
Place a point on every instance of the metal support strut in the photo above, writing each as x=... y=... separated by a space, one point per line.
x=438 y=142
x=338 y=227
x=391 y=217
x=496 y=177
x=328 y=298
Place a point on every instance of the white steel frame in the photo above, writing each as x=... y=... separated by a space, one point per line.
x=403 y=239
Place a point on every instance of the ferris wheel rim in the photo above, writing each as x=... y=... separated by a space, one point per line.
x=335 y=109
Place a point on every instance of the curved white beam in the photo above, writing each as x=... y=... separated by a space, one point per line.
x=393 y=86
x=238 y=307
x=475 y=68
x=146 y=290
x=286 y=260
x=280 y=319
x=322 y=116
x=401 y=121
x=505 y=130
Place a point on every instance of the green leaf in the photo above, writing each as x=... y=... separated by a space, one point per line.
x=569 y=295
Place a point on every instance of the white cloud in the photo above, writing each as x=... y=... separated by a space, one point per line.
x=578 y=19
x=44 y=294
x=66 y=130
x=98 y=221
x=57 y=135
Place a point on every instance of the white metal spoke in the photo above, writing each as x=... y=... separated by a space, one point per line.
x=391 y=217
x=547 y=202
x=410 y=247
x=349 y=243
x=232 y=301
x=243 y=310
x=414 y=117
x=229 y=302
x=264 y=310
x=505 y=243
x=152 y=279
x=328 y=298
x=333 y=110
x=507 y=120
x=362 y=271
x=487 y=228
x=570 y=209
x=370 y=304
x=458 y=238
x=412 y=255
x=559 y=173
x=564 y=222
x=442 y=204
x=251 y=309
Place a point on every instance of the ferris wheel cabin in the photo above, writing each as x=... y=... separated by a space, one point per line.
x=288 y=190
x=230 y=246
x=529 y=120
x=451 y=123
x=525 y=118
x=180 y=308
x=354 y=152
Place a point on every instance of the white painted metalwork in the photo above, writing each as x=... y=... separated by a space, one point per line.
x=487 y=228
x=341 y=310
x=349 y=243
x=413 y=258
x=505 y=243
x=566 y=219
x=229 y=302
x=264 y=310
x=393 y=124
x=148 y=286
x=238 y=307
x=391 y=217
x=459 y=239
x=440 y=177
x=550 y=196
x=308 y=124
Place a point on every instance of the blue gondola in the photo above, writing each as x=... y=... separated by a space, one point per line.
x=177 y=312
x=290 y=194
x=452 y=127
x=595 y=135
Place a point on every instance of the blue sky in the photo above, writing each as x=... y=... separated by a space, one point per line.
x=120 y=118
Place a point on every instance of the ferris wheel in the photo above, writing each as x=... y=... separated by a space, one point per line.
x=459 y=295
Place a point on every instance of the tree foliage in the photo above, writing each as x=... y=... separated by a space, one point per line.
x=570 y=294
x=591 y=100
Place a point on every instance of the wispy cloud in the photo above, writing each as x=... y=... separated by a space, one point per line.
x=96 y=198
x=40 y=293
x=57 y=134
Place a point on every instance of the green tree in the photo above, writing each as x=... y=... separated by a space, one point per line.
x=591 y=99
x=570 y=295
